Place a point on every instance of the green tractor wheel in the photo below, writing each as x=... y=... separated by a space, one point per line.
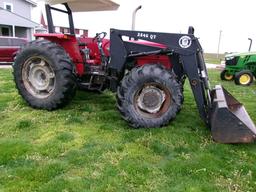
x=244 y=77
x=224 y=75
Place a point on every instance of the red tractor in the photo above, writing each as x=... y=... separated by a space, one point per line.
x=147 y=73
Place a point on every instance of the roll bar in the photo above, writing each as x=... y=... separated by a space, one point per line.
x=68 y=11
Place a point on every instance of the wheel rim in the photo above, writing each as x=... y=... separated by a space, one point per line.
x=228 y=77
x=38 y=77
x=245 y=79
x=152 y=100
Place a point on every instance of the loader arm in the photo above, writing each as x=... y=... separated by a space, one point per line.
x=191 y=58
x=227 y=118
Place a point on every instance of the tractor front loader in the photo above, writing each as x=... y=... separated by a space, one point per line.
x=147 y=72
x=226 y=117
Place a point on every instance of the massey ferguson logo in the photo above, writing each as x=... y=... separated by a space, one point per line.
x=185 y=42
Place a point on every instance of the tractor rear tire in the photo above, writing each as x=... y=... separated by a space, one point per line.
x=149 y=96
x=244 y=78
x=43 y=74
x=225 y=76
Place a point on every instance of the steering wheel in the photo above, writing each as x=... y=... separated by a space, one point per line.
x=100 y=36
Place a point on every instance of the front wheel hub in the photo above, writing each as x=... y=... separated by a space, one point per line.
x=228 y=76
x=151 y=99
x=245 y=79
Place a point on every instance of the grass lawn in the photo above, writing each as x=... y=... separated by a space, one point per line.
x=87 y=147
x=213 y=58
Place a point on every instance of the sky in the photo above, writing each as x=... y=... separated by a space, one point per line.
x=234 y=19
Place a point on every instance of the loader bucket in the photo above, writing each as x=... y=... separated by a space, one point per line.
x=230 y=123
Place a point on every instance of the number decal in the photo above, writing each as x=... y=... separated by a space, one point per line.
x=146 y=35
x=152 y=36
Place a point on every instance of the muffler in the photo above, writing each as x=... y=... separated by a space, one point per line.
x=229 y=121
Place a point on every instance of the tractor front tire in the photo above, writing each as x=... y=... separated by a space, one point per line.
x=149 y=96
x=224 y=75
x=43 y=74
x=244 y=78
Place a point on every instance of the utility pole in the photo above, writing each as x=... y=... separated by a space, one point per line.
x=218 y=51
x=134 y=17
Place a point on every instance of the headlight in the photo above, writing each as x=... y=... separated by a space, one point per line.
x=229 y=58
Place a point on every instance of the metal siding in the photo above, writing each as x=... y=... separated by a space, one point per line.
x=15 y=20
x=20 y=7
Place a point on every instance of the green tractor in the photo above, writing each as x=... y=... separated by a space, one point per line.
x=240 y=67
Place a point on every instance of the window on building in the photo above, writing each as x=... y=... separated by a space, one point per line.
x=77 y=31
x=5 y=31
x=66 y=30
x=8 y=6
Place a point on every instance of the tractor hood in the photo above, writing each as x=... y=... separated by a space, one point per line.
x=231 y=55
x=87 y=5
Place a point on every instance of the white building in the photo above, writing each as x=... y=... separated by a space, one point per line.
x=15 y=18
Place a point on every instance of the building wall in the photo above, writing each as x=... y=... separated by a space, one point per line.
x=20 y=7
x=78 y=32
x=21 y=32
x=30 y=35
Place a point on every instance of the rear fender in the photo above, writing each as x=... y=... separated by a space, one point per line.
x=70 y=44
